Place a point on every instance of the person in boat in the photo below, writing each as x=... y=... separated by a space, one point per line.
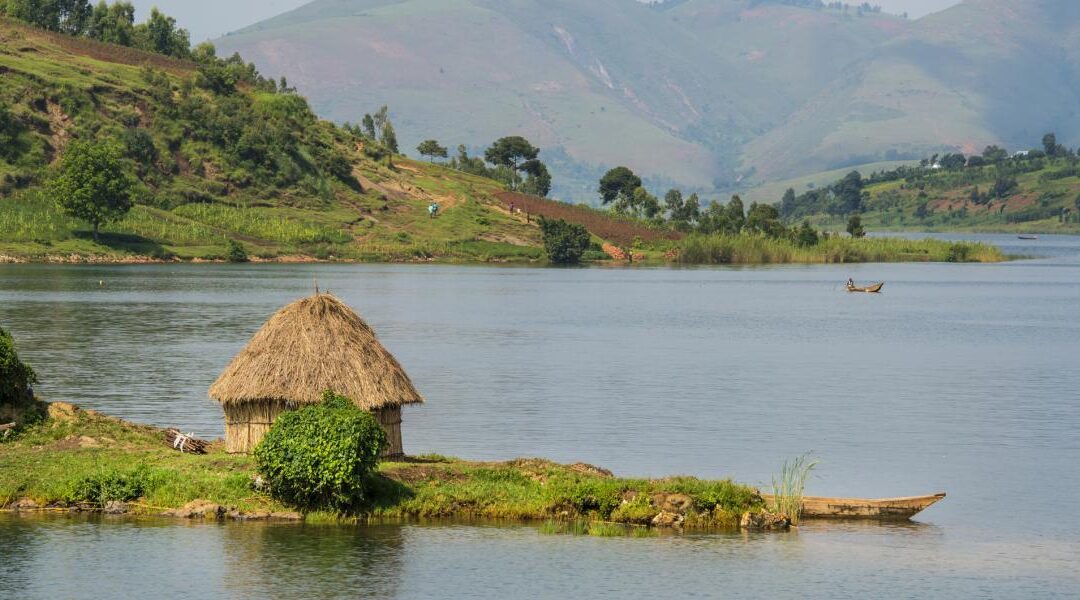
x=850 y=283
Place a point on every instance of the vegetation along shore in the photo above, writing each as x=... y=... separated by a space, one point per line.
x=81 y=460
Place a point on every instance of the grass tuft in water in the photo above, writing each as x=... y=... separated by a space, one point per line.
x=788 y=486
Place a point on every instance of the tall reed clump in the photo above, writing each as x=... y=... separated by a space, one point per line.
x=787 y=487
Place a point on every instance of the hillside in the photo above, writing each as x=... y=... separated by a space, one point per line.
x=216 y=162
x=709 y=95
x=982 y=72
x=673 y=93
x=1033 y=194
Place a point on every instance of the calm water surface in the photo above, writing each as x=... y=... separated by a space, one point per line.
x=961 y=378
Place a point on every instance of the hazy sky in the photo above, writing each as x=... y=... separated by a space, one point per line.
x=207 y=19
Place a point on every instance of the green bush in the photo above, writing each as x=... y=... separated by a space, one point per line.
x=109 y=485
x=564 y=242
x=319 y=456
x=16 y=377
x=236 y=252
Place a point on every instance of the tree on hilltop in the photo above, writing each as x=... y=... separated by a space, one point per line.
x=389 y=138
x=432 y=149
x=617 y=183
x=512 y=152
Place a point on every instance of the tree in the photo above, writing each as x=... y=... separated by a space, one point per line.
x=16 y=377
x=92 y=184
x=1003 y=187
x=564 y=242
x=369 y=126
x=431 y=148
x=114 y=24
x=854 y=226
x=764 y=219
x=379 y=119
x=160 y=34
x=467 y=164
x=788 y=204
x=953 y=162
x=736 y=215
x=389 y=137
x=539 y=180
x=691 y=210
x=1050 y=145
x=848 y=193
x=995 y=154
x=66 y=16
x=646 y=204
x=713 y=219
x=619 y=182
x=806 y=235
x=511 y=152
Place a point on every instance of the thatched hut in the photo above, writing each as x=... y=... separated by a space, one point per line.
x=308 y=347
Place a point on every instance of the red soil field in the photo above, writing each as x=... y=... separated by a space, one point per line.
x=599 y=224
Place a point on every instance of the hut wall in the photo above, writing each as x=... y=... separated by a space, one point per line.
x=390 y=419
x=248 y=422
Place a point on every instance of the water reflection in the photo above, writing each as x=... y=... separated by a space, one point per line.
x=314 y=561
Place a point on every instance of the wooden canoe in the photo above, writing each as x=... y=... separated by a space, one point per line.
x=870 y=289
x=816 y=507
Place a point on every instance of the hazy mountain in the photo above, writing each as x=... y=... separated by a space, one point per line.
x=706 y=93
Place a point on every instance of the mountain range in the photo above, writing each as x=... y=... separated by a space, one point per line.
x=710 y=95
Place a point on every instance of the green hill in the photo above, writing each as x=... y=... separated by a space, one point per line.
x=712 y=95
x=1032 y=193
x=673 y=92
x=220 y=162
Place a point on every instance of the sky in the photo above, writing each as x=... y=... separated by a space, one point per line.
x=208 y=19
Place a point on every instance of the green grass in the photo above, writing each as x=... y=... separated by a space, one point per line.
x=90 y=459
x=754 y=249
x=788 y=486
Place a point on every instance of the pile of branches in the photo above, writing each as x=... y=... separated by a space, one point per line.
x=184 y=442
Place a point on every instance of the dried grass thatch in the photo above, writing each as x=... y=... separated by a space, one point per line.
x=308 y=347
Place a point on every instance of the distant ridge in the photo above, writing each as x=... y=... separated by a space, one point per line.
x=714 y=95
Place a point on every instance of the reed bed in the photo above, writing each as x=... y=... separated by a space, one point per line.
x=720 y=249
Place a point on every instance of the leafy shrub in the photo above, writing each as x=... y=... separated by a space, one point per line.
x=111 y=485
x=319 y=456
x=16 y=377
x=236 y=252
x=564 y=242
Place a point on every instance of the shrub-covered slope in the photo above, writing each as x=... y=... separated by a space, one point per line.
x=220 y=155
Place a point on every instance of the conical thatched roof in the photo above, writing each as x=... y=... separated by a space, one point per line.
x=308 y=347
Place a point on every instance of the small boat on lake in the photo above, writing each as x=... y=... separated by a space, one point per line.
x=1028 y=237
x=816 y=507
x=870 y=289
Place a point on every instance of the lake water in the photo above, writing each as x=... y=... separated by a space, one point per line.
x=959 y=378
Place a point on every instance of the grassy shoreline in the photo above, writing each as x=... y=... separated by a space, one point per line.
x=82 y=460
x=752 y=249
x=718 y=249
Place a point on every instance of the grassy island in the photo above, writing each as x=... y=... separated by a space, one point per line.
x=83 y=460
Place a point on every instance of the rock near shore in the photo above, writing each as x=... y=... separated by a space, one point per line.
x=764 y=521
